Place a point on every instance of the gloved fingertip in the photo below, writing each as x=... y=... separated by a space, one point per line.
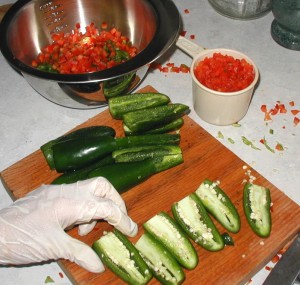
x=81 y=254
x=84 y=229
x=89 y=260
x=96 y=267
x=130 y=229
x=134 y=230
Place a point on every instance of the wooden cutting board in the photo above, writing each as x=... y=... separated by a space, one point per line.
x=204 y=157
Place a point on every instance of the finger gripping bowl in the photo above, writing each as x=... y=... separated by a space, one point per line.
x=151 y=25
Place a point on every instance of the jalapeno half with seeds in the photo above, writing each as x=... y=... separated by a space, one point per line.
x=161 y=262
x=195 y=221
x=257 y=204
x=166 y=230
x=122 y=258
x=219 y=205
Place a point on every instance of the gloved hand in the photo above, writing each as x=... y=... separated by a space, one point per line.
x=32 y=228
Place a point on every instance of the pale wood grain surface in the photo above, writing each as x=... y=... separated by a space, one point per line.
x=204 y=157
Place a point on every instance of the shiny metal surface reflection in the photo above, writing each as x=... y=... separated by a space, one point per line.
x=151 y=25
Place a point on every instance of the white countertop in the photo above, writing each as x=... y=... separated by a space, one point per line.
x=27 y=120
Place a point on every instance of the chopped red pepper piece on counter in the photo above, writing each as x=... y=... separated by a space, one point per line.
x=268 y=268
x=265 y=143
x=170 y=67
x=192 y=37
x=282 y=108
x=279 y=147
x=292 y=103
x=175 y=69
x=183 y=33
x=184 y=68
x=186 y=11
x=267 y=117
x=275 y=110
x=263 y=108
x=296 y=121
x=279 y=108
x=276 y=258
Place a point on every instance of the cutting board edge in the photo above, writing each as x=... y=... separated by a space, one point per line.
x=8 y=191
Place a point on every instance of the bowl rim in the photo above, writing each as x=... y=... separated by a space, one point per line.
x=164 y=37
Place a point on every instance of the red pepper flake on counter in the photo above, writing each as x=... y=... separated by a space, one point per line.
x=186 y=11
x=275 y=259
x=265 y=143
x=170 y=67
x=175 y=69
x=279 y=147
x=264 y=109
x=184 y=68
x=268 y=268
x=280 y=108
x=192 y=37
x=183 y=33
x=224 y=73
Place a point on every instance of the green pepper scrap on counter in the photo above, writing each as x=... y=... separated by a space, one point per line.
x=195 y=221
x=257 y=204
x=219 y=205
x=122 y=258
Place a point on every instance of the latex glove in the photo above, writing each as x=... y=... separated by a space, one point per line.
x=32 y=228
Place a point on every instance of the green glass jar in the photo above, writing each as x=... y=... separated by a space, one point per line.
x=285 y=28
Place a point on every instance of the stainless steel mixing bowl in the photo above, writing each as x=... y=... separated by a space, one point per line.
x=151 y=25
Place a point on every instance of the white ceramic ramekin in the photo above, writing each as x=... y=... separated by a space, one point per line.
x=214 y=107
